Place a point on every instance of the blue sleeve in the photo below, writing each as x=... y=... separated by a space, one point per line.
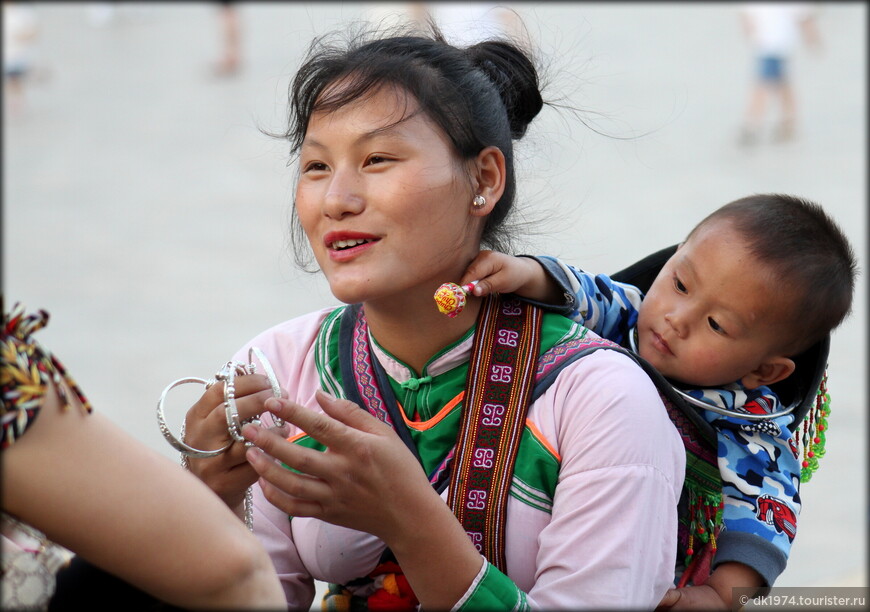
x=760 y=470
x=605 y=306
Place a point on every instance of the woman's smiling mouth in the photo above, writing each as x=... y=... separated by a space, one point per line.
x=344 y=245
x=340 y=245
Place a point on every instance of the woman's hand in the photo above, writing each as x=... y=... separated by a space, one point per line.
x=366 y=479
x=228 y=474
x=369 y=481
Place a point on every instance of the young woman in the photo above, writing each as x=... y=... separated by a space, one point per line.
x=560 y=494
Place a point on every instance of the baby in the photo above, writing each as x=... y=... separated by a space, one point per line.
x=755 y=283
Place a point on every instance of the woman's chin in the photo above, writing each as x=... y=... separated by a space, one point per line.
x=352 y=291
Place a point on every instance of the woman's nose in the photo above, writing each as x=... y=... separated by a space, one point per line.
x=344 y=196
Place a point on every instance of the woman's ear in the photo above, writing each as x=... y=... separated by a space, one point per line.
x=489 y=176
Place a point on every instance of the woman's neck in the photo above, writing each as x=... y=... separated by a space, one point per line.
x=413 y=331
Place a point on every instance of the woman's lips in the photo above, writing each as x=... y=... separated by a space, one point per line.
x=344 y=246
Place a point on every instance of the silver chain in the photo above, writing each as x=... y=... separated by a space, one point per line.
x=249 y=492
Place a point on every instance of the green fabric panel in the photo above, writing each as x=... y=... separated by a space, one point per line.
x=536 y=467
x=495 y=591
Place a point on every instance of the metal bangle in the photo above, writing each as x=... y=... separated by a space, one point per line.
x=234 y=425
x=177 y=444
x=270 y=374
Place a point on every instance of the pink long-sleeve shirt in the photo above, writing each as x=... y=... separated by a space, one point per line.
x=604 y=536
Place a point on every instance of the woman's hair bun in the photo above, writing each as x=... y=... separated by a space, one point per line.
x=515 y=78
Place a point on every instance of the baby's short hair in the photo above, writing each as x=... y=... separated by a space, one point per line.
x=807 y=251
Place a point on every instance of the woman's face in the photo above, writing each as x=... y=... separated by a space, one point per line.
x=383 y=201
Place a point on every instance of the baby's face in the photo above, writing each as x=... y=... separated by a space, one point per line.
x=711 y=315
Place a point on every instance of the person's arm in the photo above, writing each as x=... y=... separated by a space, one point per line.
x=527 y=277
x=760 y=489
x=600 y=548
x=716 y=592
x=760 y=514
x=607 y=307
x=97 y=491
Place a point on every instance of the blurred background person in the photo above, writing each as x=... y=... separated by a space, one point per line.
x=230 y=33
x=462 y=23
x=774 y=31
x=101 y=13
x=20 y=32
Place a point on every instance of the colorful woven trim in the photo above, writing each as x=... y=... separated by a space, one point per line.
x=499 y=384
x=26 y=368
x=364 y=372
x=811 y=437
x=552 y=361
x=703 y=487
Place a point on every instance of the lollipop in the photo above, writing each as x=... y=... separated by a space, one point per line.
x=450 y=297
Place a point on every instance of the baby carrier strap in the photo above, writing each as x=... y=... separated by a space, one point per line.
x=500 y=376
x=701 y=499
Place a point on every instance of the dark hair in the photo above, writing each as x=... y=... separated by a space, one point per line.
x=480 y=96
x=804 y=249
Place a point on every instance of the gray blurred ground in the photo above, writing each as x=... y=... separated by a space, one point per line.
x=143 y=208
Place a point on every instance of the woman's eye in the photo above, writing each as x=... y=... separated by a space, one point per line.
x=315 y=167
x=376 y=159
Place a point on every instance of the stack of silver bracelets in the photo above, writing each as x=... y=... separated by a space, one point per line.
x=227 y=375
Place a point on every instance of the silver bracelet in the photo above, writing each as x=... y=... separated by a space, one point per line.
x=270 y=374
x=227 y=375
x=177 y=444
x=234 y=426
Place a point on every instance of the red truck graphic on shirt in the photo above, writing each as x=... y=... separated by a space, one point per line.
x=775 y=512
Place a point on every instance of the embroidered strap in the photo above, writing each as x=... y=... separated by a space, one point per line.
x=498 y=389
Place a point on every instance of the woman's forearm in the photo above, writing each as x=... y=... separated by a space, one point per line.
x=133 y=513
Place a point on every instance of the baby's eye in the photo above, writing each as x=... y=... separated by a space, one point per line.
x=715 y=326
x=679 y=286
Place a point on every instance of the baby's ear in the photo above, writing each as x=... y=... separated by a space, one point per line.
x=771 y=371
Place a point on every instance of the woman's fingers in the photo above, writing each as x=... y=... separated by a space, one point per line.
x=345 y=484
x=298 y=493
x=296 y=481
x=305 y=460
x=293 y=506
x=339 y=418
x=351 y=414
x=207 y=428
